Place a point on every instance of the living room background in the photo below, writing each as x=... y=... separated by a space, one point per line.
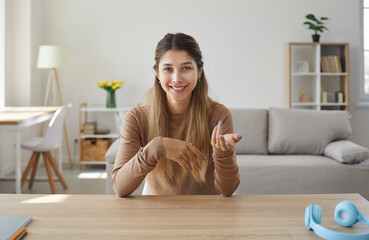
x=242 y=43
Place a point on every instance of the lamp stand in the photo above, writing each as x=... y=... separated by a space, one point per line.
x=53 y=83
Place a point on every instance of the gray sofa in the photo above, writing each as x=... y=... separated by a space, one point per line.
x=286 y=151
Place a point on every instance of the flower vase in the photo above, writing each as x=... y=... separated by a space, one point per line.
x=110 y=100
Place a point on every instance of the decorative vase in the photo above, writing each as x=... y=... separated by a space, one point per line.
x=316 y=37
x=110 y=100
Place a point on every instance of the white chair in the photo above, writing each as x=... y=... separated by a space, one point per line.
x=52 y=140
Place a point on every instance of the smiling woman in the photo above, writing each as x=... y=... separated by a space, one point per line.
x=181 y=141
x=178 y=73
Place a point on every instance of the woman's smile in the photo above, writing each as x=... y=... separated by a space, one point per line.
x=178 y=89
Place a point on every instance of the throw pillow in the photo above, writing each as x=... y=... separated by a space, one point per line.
x=252 y=125
x=293 y=131
x=346 y=152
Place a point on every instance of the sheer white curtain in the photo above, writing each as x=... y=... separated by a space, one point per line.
x=2 y=53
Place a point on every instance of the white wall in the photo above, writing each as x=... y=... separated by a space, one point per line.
x=17 y=43
x=23 y=28
x=242 y=43
x=36 y=37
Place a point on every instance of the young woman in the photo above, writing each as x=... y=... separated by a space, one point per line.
x=181 y=141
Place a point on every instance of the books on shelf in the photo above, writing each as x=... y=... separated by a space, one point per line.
x=13 y=226
x=331 y=64
x=89 y=128
x=88 y=131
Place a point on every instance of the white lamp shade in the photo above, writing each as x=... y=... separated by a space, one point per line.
x=52 y=57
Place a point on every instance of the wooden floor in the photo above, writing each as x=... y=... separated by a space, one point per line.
x=91 y=180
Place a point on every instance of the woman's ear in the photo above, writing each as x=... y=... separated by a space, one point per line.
x=157 y=75
x=200 y=73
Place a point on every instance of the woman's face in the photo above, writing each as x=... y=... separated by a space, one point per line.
x=178 y=74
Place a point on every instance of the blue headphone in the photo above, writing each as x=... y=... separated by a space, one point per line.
x=346 y=214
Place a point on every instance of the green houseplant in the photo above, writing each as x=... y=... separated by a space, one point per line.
x=317 y=25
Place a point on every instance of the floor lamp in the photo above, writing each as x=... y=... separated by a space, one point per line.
x=53 y=57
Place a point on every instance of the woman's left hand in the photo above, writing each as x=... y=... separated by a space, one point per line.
x=224 y=142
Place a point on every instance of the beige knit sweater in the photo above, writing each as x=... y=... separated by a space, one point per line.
x=136 y=158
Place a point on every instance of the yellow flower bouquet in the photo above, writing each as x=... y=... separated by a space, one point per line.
x=110 y=87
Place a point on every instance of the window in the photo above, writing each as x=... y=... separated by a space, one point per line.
x=366 y=44
x=364 y=57
x=2 y=53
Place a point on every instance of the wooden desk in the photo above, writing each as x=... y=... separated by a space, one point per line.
x=175 y=217
x=15 y=119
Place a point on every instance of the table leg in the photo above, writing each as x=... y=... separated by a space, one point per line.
x=60 y=158
x=18 y=162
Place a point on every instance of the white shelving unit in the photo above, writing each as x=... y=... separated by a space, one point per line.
x=314 y=81
x=84 y=111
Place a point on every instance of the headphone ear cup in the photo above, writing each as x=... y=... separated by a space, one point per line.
x=346 y=214
x=307 y=217
x=317 y=214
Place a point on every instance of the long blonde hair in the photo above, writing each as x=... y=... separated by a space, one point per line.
x=197 y=117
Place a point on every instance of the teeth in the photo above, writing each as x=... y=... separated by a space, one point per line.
x=178 y=88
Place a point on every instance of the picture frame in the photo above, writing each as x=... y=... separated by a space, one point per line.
x=302 y=67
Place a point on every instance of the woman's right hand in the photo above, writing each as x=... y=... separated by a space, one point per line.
x=181 y=152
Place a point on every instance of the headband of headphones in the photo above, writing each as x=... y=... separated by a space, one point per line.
x=346 y=214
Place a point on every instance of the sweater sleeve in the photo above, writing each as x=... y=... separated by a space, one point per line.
x=134 y=161
x=226 y=175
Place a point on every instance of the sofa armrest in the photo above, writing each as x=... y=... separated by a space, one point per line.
x=110 y=159
x=112 y=151
x=346 y=152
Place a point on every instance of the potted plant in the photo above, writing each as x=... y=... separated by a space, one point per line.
x=316 y=25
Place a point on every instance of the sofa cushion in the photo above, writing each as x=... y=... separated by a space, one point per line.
x=112 y=151
x=300 y=174
x=252 y=125
x=293 y=131
x=346 y=152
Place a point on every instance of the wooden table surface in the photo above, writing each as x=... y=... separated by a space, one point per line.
x=175 y=217
x=15 y=119
x=16 y=115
